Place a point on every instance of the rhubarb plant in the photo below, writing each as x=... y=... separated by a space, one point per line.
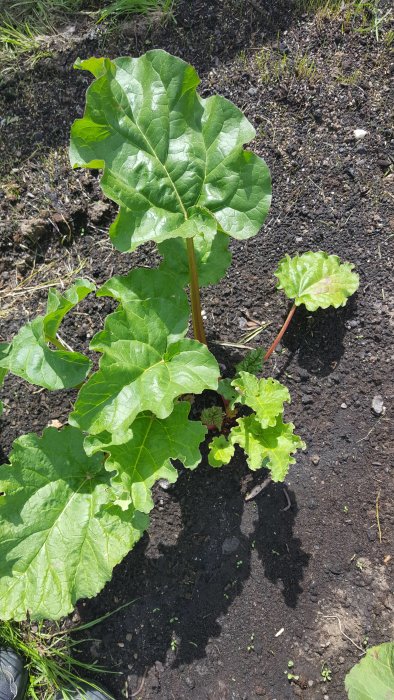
x=74 y=501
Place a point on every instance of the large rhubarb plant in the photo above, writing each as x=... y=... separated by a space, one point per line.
x=74 y=501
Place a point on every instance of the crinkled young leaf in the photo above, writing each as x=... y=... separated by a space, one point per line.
x=252 y=362
x=267 y=447
x=317 y=280
x=145 y=458
x=153 y=295
x=173 y=161
x=58 y=305
x=213 y=257
x=60 y=534
x=212 y=416
x=136 y=376
x=373 y=677
x=265 y=396
x=220 y=451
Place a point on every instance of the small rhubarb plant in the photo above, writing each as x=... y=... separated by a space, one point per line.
x=74 y=501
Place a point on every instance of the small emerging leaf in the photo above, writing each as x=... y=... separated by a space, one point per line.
x=212 y=416
x=60 y=534
x=267 y=447
x=252 y=362
x=317 y=280
x=265 y=396
x=373 y=677
x=220 y=451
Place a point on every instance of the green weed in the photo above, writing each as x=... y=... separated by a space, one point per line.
x=49 y=658
x=274 y=66
x=142 y=7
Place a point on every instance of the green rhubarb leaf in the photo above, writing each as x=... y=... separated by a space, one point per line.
x=220 y=451
x=213 y=257
x=174 y=162
x=252 y=362
x=30 y=356
x=32 y=359
x=145 y=458
x=60 y=534
x=58 y=305
x=317 y=280
x=151 y=299
x=265 y=396
x=139 y=375
x=227 y=391
x=373 y=677
x=267 y=447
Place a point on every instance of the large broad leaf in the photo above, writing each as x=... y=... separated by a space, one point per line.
x=137 y=376
x=145 y=458
x=267 y=447
x=30 y=356
x=373 y=677
x=317 y=280
x=60 y=534
x=213 y=257
x=154 y=299
x=173 y=161
x=265 y=396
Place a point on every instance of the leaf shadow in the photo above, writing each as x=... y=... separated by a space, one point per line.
x=185 y=584
x=318 y=338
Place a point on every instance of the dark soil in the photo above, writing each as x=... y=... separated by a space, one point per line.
x=227 y=592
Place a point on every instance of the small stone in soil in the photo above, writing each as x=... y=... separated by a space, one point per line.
x=343 y=405
x=315 y=459
x=377 y=405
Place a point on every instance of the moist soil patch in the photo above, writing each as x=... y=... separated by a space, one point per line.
x=226 y=591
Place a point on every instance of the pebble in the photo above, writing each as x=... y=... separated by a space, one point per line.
x=315 y=459
x=164 y=484
x=378 y=405
x=359 y=134
x=343 y=405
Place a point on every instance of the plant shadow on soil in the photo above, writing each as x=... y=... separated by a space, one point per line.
x=183 y=584
x=318 y=337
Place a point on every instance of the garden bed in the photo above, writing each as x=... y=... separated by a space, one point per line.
x=226 y=591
